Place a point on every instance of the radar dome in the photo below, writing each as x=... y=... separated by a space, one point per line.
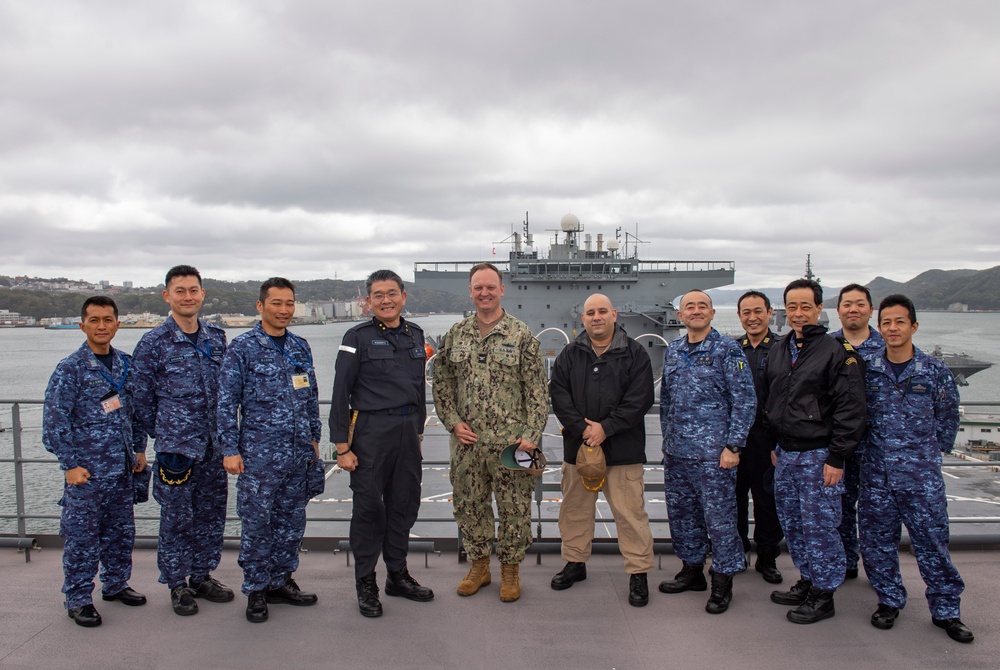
x=613 y=245
x=570 y=223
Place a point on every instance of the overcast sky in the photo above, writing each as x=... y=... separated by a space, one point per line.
x=328 y=139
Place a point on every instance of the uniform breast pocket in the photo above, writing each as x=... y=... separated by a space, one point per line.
x=380 y=358
x=179 y=383
x=459 y=355
x=508 y=361
x=269 y=382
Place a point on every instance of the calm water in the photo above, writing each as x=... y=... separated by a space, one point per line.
x=28 y=356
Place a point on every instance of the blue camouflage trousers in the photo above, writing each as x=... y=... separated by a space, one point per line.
x=848 y=528
x=271 y=502
x=882 y=511
x=98 y=529
x=192 y=521
x=810 y=514
x=701 y=505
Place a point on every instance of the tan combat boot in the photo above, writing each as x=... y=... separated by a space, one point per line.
x=479 y=575
x=510 y=582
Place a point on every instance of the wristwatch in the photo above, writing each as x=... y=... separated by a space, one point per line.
x=733 y=448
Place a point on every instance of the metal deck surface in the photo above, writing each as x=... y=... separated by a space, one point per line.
x=588 y=626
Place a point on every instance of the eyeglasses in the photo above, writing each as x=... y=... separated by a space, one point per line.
x=391 y=295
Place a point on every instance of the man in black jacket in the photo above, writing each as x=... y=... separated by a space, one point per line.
x=601 y=388
x=815 y=406
x=757 y=459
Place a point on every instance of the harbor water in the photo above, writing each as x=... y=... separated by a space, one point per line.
x=29 y=355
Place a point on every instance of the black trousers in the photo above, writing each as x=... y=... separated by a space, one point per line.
x=386 y=486
x=750 y=482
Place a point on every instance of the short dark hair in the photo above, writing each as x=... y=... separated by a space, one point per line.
x=181 y=271
x=897 y=300
x=698 y=290
x=854 y=287
x=382 y=275
x=485 y=266
x=804 y=283
x=275 y=282
x=98 y=301
x=753 y=294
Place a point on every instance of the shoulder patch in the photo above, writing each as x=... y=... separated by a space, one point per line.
x=850 y=360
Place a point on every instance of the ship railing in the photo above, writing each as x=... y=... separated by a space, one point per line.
x=24 y=539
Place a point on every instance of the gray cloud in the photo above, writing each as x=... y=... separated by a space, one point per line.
x=313 y=138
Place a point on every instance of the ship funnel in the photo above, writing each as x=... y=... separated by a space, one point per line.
x=517 y=242
x=600 y=242
x=586 y=242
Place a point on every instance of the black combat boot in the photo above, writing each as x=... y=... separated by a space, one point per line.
x=638 y=590
x=818 y=605
x=571 y=574
x=690 y=578
x=794 y=596
x=765 y=564
x=722 y=593
x=368 y=602
x=402 y=584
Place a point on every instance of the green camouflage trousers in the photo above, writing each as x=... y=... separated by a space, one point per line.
x=476 y=478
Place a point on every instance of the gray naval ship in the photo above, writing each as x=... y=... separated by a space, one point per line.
x=547 y=292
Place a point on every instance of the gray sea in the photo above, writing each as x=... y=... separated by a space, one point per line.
x=29 y=355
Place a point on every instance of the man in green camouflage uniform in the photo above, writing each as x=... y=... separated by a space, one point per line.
x=490 y=392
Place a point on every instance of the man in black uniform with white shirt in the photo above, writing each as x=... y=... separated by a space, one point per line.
x=379 y=398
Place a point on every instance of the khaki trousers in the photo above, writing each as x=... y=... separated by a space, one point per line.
x=624 y=492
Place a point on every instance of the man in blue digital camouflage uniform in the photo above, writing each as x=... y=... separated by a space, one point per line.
x=913 y=419
x=176 y=392
x=269 y=429
x=814 y=405
x=854 y=307
x=707 y=405
x=379 y=389
x=87 y=423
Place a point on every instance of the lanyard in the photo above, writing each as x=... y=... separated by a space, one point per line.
x=206 y=352
x=117 y=387
x=297 y=366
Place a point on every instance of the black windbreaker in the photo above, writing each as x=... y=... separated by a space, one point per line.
x=615 y=389
x=820 y=401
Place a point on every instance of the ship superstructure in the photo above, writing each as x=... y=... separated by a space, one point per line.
x=548 y=292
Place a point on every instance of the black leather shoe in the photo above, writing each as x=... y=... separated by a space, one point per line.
x=851 y=573
x=212 y=590
x=368 y=601
x=182 y=600
x=127 y=596
x=291 y=594
x=402 y=584
x=569 y=575
x=722 y=593
x=690 y=578
x=818 y=605
x=794 y=596
x=956 y=630
x=884 y=616
x=765 y=564
x=85 y=616
x=257 y=607
x=638 y=589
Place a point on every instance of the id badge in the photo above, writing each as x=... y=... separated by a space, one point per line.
x=300 y=381
x=111 y=402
